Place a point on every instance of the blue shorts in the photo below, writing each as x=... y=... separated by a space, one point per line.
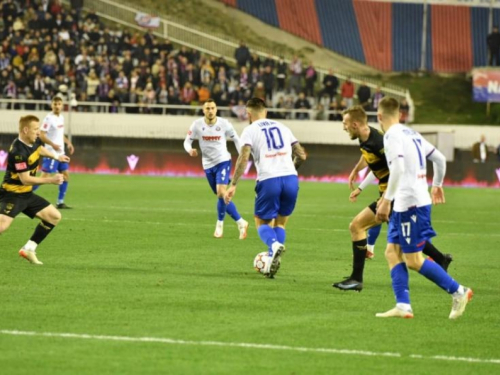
x=218 y=175
x=276 y=196
x=411 y=229
x=52 y=166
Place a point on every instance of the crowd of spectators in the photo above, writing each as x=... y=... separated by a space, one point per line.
x=45 y=46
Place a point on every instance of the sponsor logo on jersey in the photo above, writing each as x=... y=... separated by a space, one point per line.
x=212 y=138
x=20 y=166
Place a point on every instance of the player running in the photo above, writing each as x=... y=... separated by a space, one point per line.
x=212 y=133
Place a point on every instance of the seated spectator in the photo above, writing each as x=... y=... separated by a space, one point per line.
x=240 y=111
x=303 y=104
x=203 y=94
x=259 y=91
x=404 y=110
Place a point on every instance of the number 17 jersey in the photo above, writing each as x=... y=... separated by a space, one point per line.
x=271 y=143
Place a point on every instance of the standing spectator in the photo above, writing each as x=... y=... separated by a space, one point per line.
x=303 y=104
x=404 y=110
x=295 y=67
x=330 y=84
x=311 y=77
x=347 y=92
x=493 y=41
x=242 y=55
x=268 y=80
x=255 y=62
x=281 y=74
x=480 y=150
x=364 y=94
x=377 y=97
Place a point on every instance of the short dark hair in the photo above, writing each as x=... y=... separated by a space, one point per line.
x=389 y=106
x=256 y=104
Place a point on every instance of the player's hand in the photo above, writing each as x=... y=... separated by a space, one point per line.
x=383 y=210
x=57 y=147
x=354 y=195
x=63 y=158
x=229 y=194
x=352 y=179
x=57 y=179
x=437 y=195
x=71 y=148
x=193 y=152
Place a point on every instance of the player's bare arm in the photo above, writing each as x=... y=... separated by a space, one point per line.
x=71 y=148
x=354 y=173
x=47 y=141
x=29 y=180
x=299 y=155
x=239 y=170
x=44 y=152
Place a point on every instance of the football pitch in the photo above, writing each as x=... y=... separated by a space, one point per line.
x=134 y=283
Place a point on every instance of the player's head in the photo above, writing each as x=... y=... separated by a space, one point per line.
x=256 y=109
x=354 y=118
x=57 y=104
x=388 y=112
x=210 y=110
x=29 y=128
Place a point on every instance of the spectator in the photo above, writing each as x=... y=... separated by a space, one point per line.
x=480 y=151
x=259 y=91
x=493 y=41
x=295 y=68
x=310 y=76
x=281 y=74
x=376 y=98
x=203 y=94
x=334 y=114
x=240 y=111
x=347 y=92
x=173 y=99
x=364 y=94
x=268 y=80
x=302 y=104
x=242 y=55
x=330 y=84
x=404 y=110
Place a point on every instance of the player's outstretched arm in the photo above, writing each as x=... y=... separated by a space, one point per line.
x=44 y=152
x=354 y=173
x=239 y=170
x=299 y=155
x=71 y=148
x=29 y=180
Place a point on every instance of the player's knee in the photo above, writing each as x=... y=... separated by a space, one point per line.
x=354 y=226
x=55 y=217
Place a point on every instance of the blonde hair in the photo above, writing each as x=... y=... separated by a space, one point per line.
x=356 y=113
x=25 y=121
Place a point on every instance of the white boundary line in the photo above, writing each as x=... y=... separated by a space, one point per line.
x=160 y=340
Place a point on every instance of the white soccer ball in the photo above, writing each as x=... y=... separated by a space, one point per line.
x=261 y=262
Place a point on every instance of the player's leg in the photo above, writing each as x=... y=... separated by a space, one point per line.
x=49 y=216
x=221 y=211
x=443 y=260
x=358 y=227
x=63 y=168
x=267 y=204
x=399 y=271
x=373 y=234
x=5 y=222
x=222 y=180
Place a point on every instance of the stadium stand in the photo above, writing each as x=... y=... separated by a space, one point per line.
x=386 y=35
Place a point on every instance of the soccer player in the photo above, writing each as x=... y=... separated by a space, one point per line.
x=277 y=155
x=371 y=143
x=410 y=222
x=212 y=133
x=52 y=134
x=16 y=190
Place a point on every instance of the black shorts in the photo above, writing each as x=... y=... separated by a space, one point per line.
x=12 y=204
x=373 y=206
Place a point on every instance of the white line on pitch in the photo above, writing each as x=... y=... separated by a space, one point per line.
x=160 y=340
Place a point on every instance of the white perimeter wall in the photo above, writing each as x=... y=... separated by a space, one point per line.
x=175 y=127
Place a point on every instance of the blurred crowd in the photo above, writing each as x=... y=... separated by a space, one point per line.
x=45 y=47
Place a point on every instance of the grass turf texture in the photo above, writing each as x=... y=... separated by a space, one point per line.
x=136 y=258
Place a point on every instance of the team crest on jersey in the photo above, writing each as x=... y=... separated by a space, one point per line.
x=217 y=128
x=190 y=132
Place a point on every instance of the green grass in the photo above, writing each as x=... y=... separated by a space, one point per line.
x=136 y=258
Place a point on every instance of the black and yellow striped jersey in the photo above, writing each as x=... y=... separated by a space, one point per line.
x=373 y=153
x=21 y=158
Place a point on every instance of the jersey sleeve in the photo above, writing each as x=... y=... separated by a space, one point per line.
x=233 y=135
x=293 y=140
x=46 y=124
x=428 y=147
x=246 y=138
x=393 y=148
x=190 y=137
